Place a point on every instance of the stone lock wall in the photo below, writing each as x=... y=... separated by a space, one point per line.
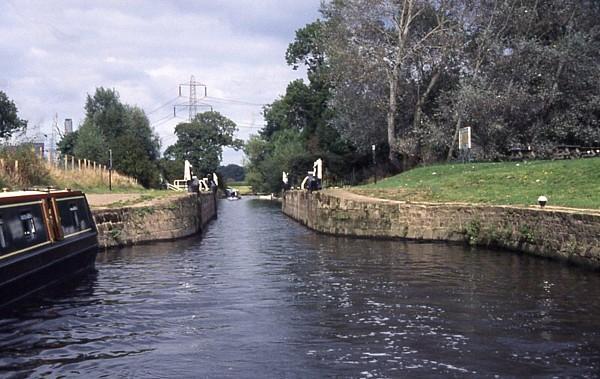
x=171 y=218
x=568 y=235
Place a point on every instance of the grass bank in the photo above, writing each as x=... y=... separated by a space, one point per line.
x=568 y=183
x=91 y=181
x=242 y=187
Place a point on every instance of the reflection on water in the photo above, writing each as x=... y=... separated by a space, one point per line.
x=260 y=296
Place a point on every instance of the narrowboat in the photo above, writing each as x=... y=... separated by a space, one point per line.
x=46 y=238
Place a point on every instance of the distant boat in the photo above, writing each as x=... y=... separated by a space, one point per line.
x=232 y=194
x=46 y=237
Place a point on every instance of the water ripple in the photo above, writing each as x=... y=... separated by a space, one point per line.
x=261 y=296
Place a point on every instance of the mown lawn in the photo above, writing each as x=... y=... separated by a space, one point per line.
x=568 y=183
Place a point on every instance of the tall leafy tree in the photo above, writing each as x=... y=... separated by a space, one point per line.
x=202 y=140
x=124 y=129
x=91 y=143
x=298 y=125
x=519 y=73
x=233 y=172
x=9 y=117
x=66 y=145
x=403 y=49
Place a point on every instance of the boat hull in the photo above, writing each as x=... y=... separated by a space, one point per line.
x=45 y=267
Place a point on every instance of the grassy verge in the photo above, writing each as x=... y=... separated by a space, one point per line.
x=144 y=196
x=568 y=183
x=91 y=181
x=242 y=187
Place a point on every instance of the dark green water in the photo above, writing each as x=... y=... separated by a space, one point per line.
x=260 y=296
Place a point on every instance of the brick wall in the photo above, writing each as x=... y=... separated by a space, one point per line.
x=171 y=218
x=568 y=235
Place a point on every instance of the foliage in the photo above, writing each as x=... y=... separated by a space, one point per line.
x=66 y=145
x=307 y=48
x=299 y=126
x=90 y=144
x=410 y=73
x=137 y=151
x=124 y=129
x=201 y=141
x=571 y=183
x=232 y=172
x=171 y=169
x=31 y=170
x=9 y=118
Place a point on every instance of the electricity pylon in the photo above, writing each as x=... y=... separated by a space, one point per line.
x=193 y=103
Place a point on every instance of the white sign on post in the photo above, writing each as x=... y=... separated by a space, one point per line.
x=464 y=138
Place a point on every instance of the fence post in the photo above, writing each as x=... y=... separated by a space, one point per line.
x=16 y=166
x=72 y=163
x=66 y=163
x=79 y=164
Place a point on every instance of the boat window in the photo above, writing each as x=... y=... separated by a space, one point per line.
x=28 y=225
x=21 y=227
x=74 y=214
x=2 y=237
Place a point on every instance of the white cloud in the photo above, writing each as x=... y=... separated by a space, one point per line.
x=52 y=54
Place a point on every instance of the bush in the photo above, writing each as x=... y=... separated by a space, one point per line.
x=31 y=170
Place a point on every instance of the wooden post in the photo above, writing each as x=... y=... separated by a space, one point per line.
x=94 y=166
x=66 y=163
x=79 y=164
x=72 y=163
x=16 y=166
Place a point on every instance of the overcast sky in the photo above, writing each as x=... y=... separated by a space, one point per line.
x=54 y=53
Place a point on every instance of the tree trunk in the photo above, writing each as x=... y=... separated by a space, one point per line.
x=391 y=119
x=455 y=137
x=423 y=98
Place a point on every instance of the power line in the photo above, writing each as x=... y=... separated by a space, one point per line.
x=234 y=101
x=162 y=118
x=163 y=122
x=162 y=106
x=193 y=98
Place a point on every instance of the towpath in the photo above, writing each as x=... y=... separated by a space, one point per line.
x=101 y=200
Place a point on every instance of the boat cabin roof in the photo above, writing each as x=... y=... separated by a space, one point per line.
x=31 y=195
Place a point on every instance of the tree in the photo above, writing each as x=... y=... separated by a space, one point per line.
x=9 y=118
x=232 y=172
x=531 y=79
x=171 y=169
x=267 y=159
x=91 y=143
x=66 y=145
x=392 y=43
x=110 y=124
x=201 y=141
x=299 y=125
x=137 y=150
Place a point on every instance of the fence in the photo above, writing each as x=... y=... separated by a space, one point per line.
x=87 y=171
x=21 y=170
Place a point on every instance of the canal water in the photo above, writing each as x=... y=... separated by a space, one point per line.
x=260 y=296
